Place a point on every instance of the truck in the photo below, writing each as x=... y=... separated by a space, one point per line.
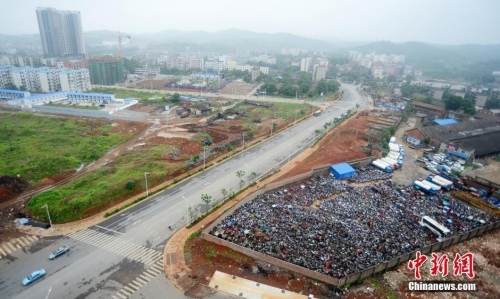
x=424 y=187
x=440 y=181
x=434 y=186
x=382 y=165
x=395 y=156
x=443 y=168
x=391 y=160
x=394 y=147
x=392 y=140
x=393 y=164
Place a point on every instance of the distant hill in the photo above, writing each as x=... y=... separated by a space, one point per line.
x=238 y=38
x=416 y=52
x=473 y=63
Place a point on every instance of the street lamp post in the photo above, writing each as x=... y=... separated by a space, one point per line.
x=243 y=139
x=272 y=126
x=48 y=214
x=204 y=154
x=146 y=180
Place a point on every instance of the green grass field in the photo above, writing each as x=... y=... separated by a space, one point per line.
x=35 y=147
x=45 y=146
x=283 y=110
x=149 y=97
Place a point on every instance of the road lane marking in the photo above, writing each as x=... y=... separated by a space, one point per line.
x=118 y=246
x=111 y=230
x=129 y=289
x=11 y=247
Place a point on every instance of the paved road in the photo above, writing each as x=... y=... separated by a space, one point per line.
x=122 y=256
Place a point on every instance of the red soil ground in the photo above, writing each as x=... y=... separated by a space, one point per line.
x=205 y=258
x=340 y=145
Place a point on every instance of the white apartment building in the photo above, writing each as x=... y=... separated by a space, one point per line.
x=45 y=79
x=5 y=77
x=214 y=65
x=75 y=80
x=306 y=64
x=378 y=72
x=25 y=79
x=319 y=72
x=263 y=58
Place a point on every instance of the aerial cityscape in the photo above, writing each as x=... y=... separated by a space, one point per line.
x=325 y=149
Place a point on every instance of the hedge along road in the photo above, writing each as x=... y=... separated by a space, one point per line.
x=146 y=224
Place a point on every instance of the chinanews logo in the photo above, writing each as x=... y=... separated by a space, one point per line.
x=462 y=265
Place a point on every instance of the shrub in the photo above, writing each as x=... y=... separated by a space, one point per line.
x=130 y=185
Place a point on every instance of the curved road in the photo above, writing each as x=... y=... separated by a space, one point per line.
x=122 y=256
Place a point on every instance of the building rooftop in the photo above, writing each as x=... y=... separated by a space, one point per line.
x=430 y=106
x=483 y=144
x=461 y=130
x=14 y=91
x=105 y=59
x=482 y=115
x=445 y=121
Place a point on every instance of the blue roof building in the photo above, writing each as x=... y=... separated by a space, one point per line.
x=342 y=171
x=445 y=121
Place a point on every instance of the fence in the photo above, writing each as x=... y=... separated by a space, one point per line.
x=425 y=250
x=322 y=277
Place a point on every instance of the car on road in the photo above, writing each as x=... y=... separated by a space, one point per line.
x=58 y=252
x=34 y=276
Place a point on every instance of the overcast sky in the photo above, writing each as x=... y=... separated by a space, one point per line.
x=434 y=21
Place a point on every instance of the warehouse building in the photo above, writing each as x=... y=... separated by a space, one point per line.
x=466 y=140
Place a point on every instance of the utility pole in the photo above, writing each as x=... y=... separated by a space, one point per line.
x=48 y=214
x=204 y=155
x=243 y=140
x=146 y=179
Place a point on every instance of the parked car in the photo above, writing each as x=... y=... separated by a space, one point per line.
x=34 y=276
x=58 y=252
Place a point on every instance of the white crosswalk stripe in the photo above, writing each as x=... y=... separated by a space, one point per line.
x=140 y=281
x=118 y=246
x=9 y=247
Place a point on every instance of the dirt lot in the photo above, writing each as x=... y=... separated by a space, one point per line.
x=342 y=144
x=238 y=88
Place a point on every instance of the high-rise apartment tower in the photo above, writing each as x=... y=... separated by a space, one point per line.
x=60 y=31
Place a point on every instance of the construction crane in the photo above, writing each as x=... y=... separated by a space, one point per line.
x=120 y=38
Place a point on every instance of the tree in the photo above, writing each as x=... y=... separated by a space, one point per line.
x=131 y=64
x=321 y=87
x=130 y=185
x=224 y=193
x=176 y=98
x=492 y=103
x=453 y=102
x=287 y=90
x=206 y=198
x=304 y=87
x=333 y=86
x=407 y=90
x=240 y=174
